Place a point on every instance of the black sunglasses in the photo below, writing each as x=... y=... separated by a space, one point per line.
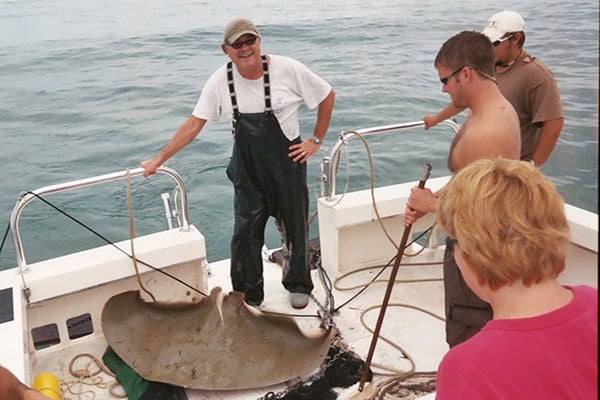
x=502 y=40
x=444 y=80
x=248 y=42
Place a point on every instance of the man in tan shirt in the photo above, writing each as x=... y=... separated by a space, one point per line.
x=465 y=65
x=527 y=83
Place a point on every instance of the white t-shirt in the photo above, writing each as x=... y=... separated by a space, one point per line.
x=292 y=84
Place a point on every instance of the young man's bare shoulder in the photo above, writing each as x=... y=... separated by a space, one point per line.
x=487 y=140
x=498 y=123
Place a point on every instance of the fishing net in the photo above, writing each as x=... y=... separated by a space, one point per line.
x=342 y=368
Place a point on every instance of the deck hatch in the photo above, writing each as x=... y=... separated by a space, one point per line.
x=45 y=336
x=80 y=326
x=6 y=305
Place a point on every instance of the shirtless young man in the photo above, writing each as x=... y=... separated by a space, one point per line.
x=465 y=65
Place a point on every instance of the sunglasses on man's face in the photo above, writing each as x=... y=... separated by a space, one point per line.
x=502 y=40
x=445 y=79
x=248 y=42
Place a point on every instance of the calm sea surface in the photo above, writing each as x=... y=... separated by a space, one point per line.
x=94 y=87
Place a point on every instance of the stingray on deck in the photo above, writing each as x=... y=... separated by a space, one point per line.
x=219 y=343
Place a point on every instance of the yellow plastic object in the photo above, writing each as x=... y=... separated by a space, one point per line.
x=47 y=384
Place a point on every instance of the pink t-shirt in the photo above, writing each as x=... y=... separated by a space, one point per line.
x=552 y=356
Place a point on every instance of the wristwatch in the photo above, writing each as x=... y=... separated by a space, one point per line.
x=316 y=140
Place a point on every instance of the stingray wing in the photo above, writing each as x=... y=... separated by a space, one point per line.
x=219 y=343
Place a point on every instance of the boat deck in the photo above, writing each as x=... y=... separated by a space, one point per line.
x=68 y=294
x=411 y=322
x=418 y=333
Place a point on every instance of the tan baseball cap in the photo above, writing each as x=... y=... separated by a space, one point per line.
x=237 y=28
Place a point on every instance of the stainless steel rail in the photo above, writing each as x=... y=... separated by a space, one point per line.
x=328 y=167
x=27 y=197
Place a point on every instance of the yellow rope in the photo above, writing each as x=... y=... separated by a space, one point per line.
x=357 y=270
x=132 y=236
x=372 y=191
x=85 y=376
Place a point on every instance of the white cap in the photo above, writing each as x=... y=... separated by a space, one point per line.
x=502 y=23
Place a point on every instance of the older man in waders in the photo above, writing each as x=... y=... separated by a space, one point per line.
x=261 y=95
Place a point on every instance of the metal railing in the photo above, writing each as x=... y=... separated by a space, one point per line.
x=328 y=167
x=26 y=197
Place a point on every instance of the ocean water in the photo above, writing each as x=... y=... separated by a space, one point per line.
x=93 y=87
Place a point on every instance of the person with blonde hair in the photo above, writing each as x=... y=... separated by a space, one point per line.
x=509 y=233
